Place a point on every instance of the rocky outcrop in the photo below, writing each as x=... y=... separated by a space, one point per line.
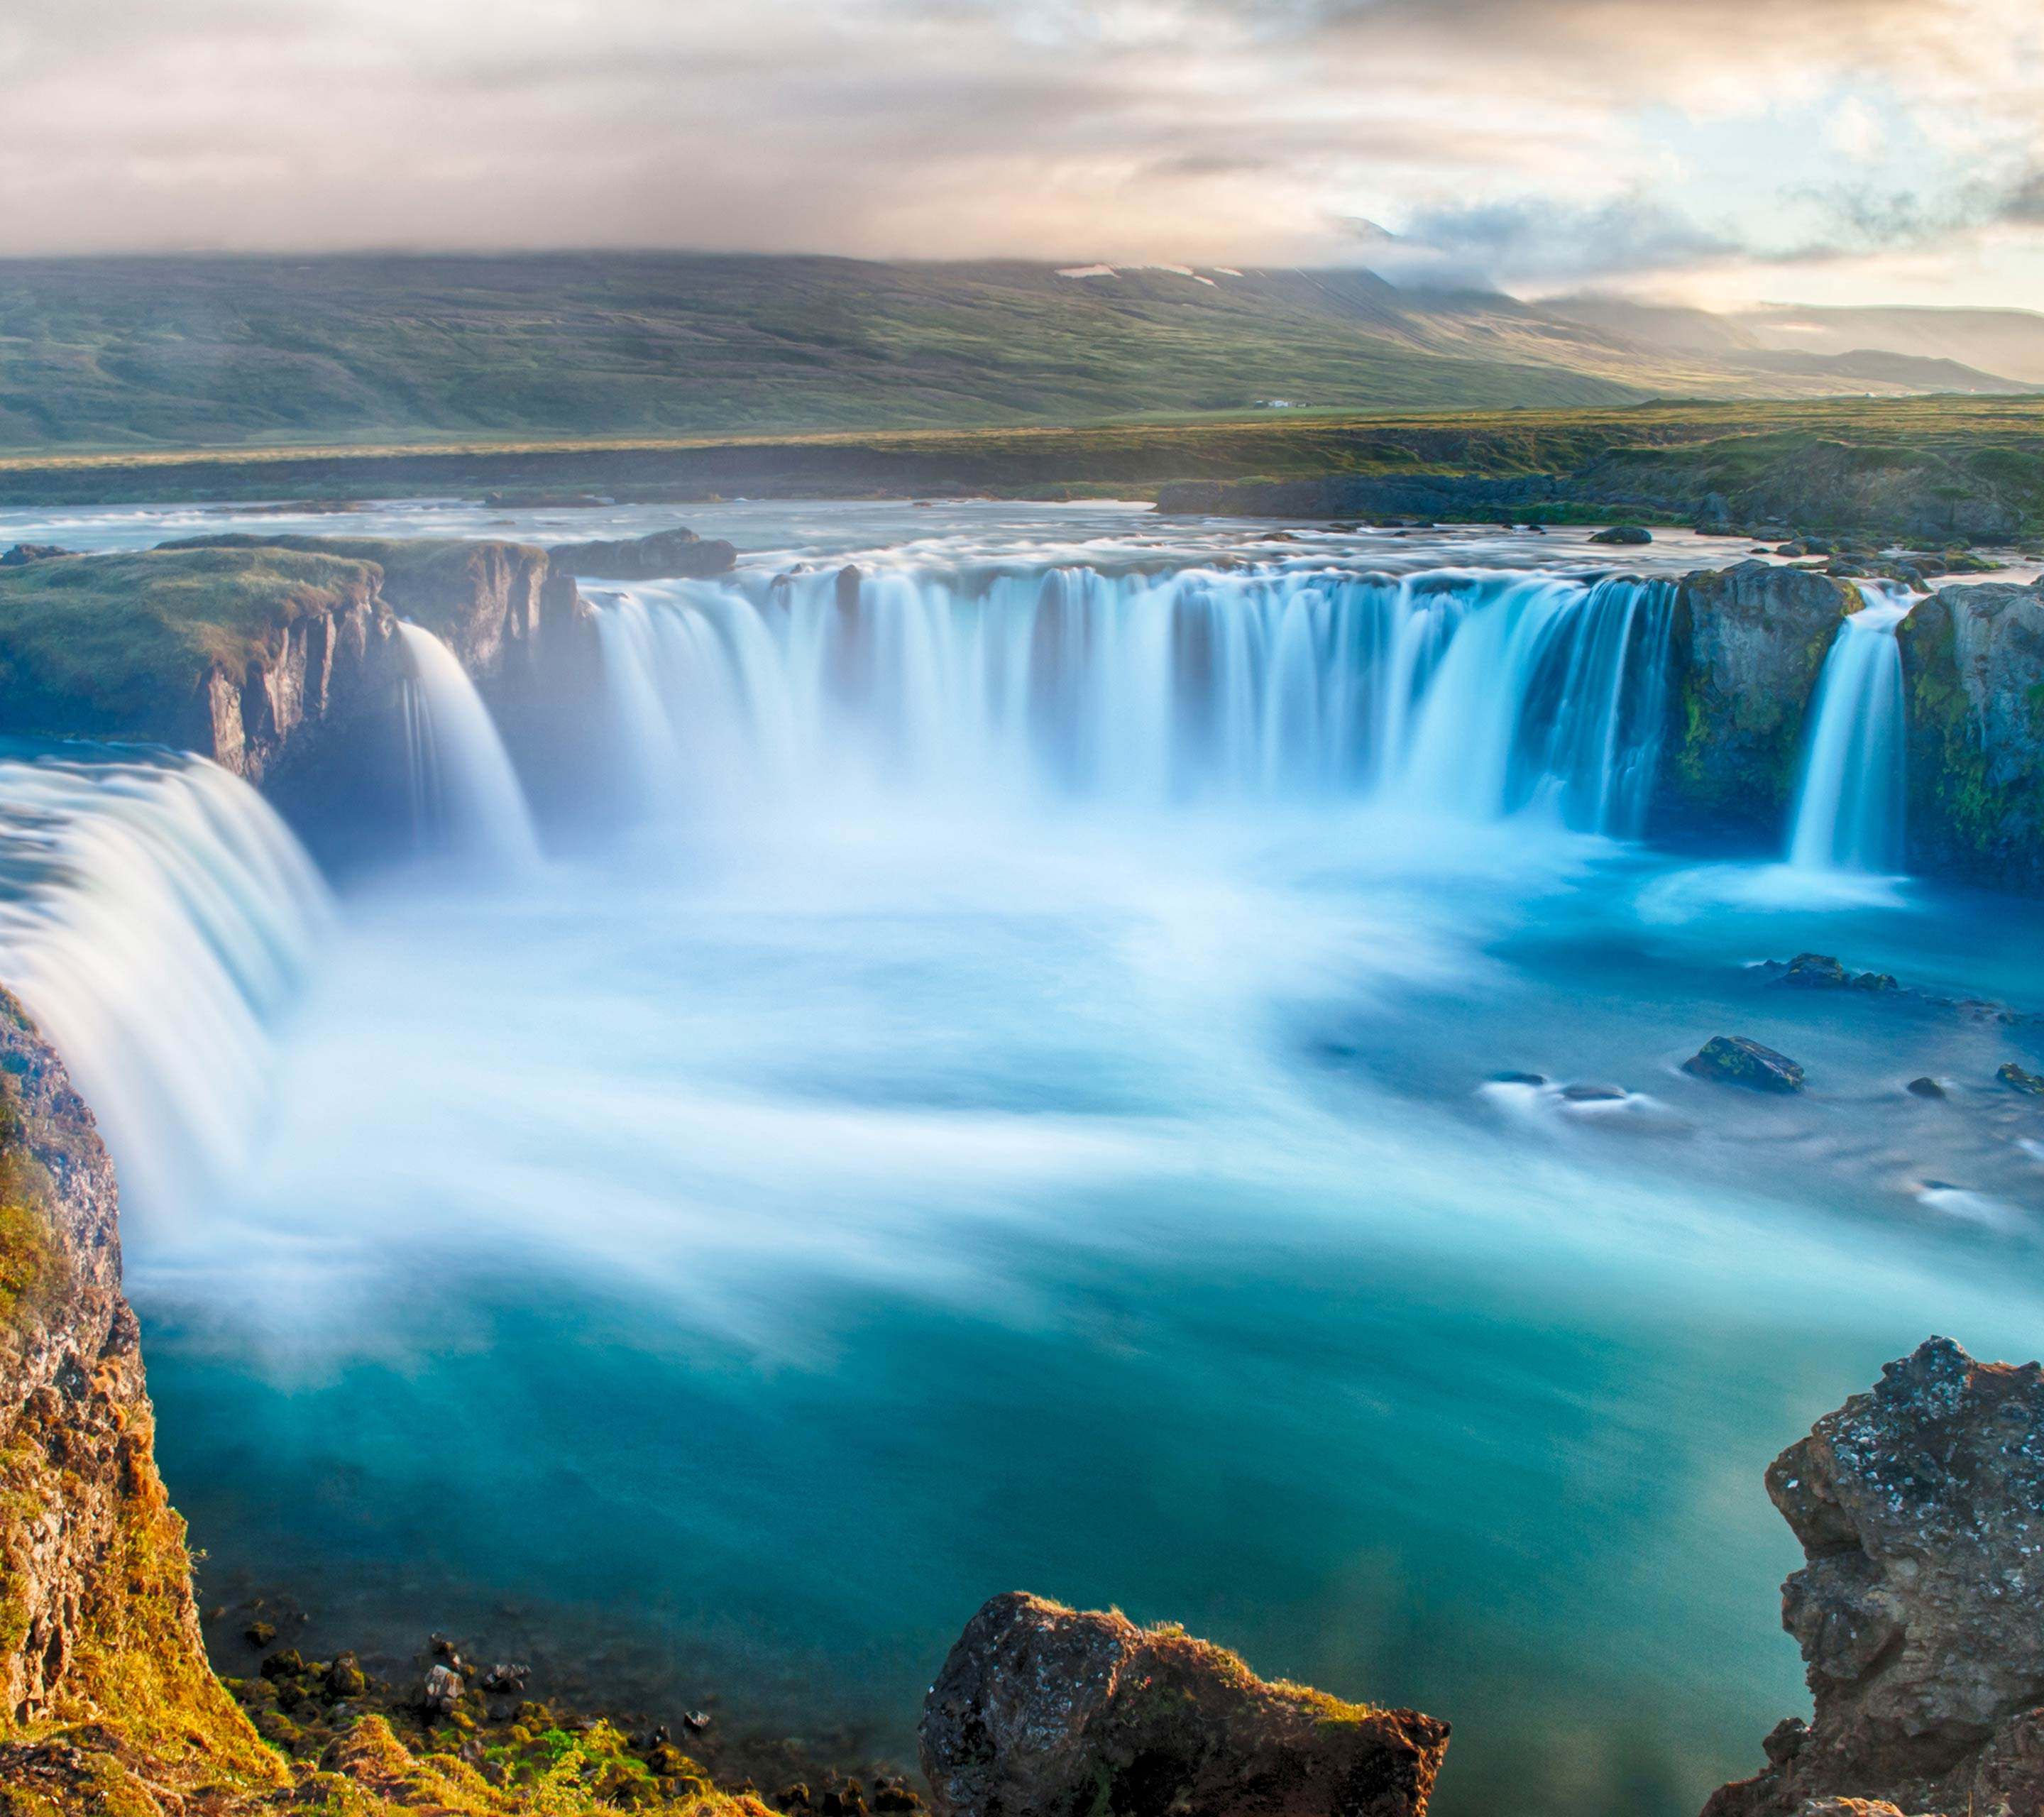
x=666 y=554
x=1972 y=659
x=1920 y=1511
x=1043 y=1711
x=1749 y=643
x=19 y=555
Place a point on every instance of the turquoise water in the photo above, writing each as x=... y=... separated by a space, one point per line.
x=717 y=1261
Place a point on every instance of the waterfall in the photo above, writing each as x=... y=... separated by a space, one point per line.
x=154 y=916
x=466 y=796
x=1475 y=692
x=1849 y=797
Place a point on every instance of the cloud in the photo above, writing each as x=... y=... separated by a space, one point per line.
x=1543 y=242
x=1523 y=140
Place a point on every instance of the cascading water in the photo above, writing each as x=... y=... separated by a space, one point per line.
x=154 y=915
x=466 y=796
x=1480 y=692
x=1851 y=797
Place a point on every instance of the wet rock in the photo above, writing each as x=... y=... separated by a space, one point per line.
x=1819 y=971
x=289 y=1663
x=1041 y=1710
x=1920 y=1511
x=345 y=1677
x=1927 y=1087
x=259 y=1634
x=1594 y=1094
x=1736 y=1060
x=503 y=1680
x=666 y=554
x=442 y=1692
x=22 y=554
x=1629 y=535
x=2011 y=1074
x=1518 y=1078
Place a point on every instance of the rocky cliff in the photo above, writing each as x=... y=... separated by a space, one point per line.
x=1749 y=643
x=1920 y=1511
x=1973 y=660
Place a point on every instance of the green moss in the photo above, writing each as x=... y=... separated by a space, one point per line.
x=116 y=645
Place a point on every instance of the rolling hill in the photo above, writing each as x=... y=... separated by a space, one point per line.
x=230 y=352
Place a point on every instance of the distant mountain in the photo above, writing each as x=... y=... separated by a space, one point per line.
x=2009 y=343
x=1992 y=352
x=123 y=354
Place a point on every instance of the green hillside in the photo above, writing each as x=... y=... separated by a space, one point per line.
x=221 y=352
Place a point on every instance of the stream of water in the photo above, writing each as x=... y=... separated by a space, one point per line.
x=1049 y=1067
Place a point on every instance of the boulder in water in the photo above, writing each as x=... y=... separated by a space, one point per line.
x=1917 y=1507
x=1040 y=1709
x=2021 y=1079
x=1737 y=1060
x=442 y=1693
x=1630 y=535
x=1927 y=1087
x=1820 y=971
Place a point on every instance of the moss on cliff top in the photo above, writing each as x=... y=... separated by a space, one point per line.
x=431 y=580
x=114 y=643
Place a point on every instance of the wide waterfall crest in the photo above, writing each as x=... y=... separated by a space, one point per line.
x=1462 y=690
x=467 y=800
x=1850 y=797
x=154 y=915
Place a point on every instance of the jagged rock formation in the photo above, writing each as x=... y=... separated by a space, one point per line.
x=1920 y=1509
x=1043 y=1711
x=672 y=555
x=1749 y=643
x=1972 y=659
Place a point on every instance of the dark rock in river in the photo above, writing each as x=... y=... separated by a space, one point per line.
x=1927 y=1087
x=1734 y=1060
x=1043 y=1711
x=2020 y=1079
x=1819 y=971
x=666 y=554
x=1630 y=535
x=1920 y=1510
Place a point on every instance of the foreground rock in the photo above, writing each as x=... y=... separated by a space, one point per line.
x=1920 y=1510
x=1043 y=1711
x=1624 y=536
x=666 y=554
x=1737 y=1060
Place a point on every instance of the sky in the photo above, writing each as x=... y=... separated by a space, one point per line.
x=1718 y=151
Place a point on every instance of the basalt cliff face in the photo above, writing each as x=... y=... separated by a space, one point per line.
x=1749 y=643
x=1973 y=663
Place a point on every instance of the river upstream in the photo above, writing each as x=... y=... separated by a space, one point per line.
x=1052 y=1076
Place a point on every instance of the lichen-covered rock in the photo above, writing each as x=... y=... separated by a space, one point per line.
x=1739 y=1060
x=1920 y=1510
x=1043 y=1711
x=1973 y=660
x=1749 y=643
